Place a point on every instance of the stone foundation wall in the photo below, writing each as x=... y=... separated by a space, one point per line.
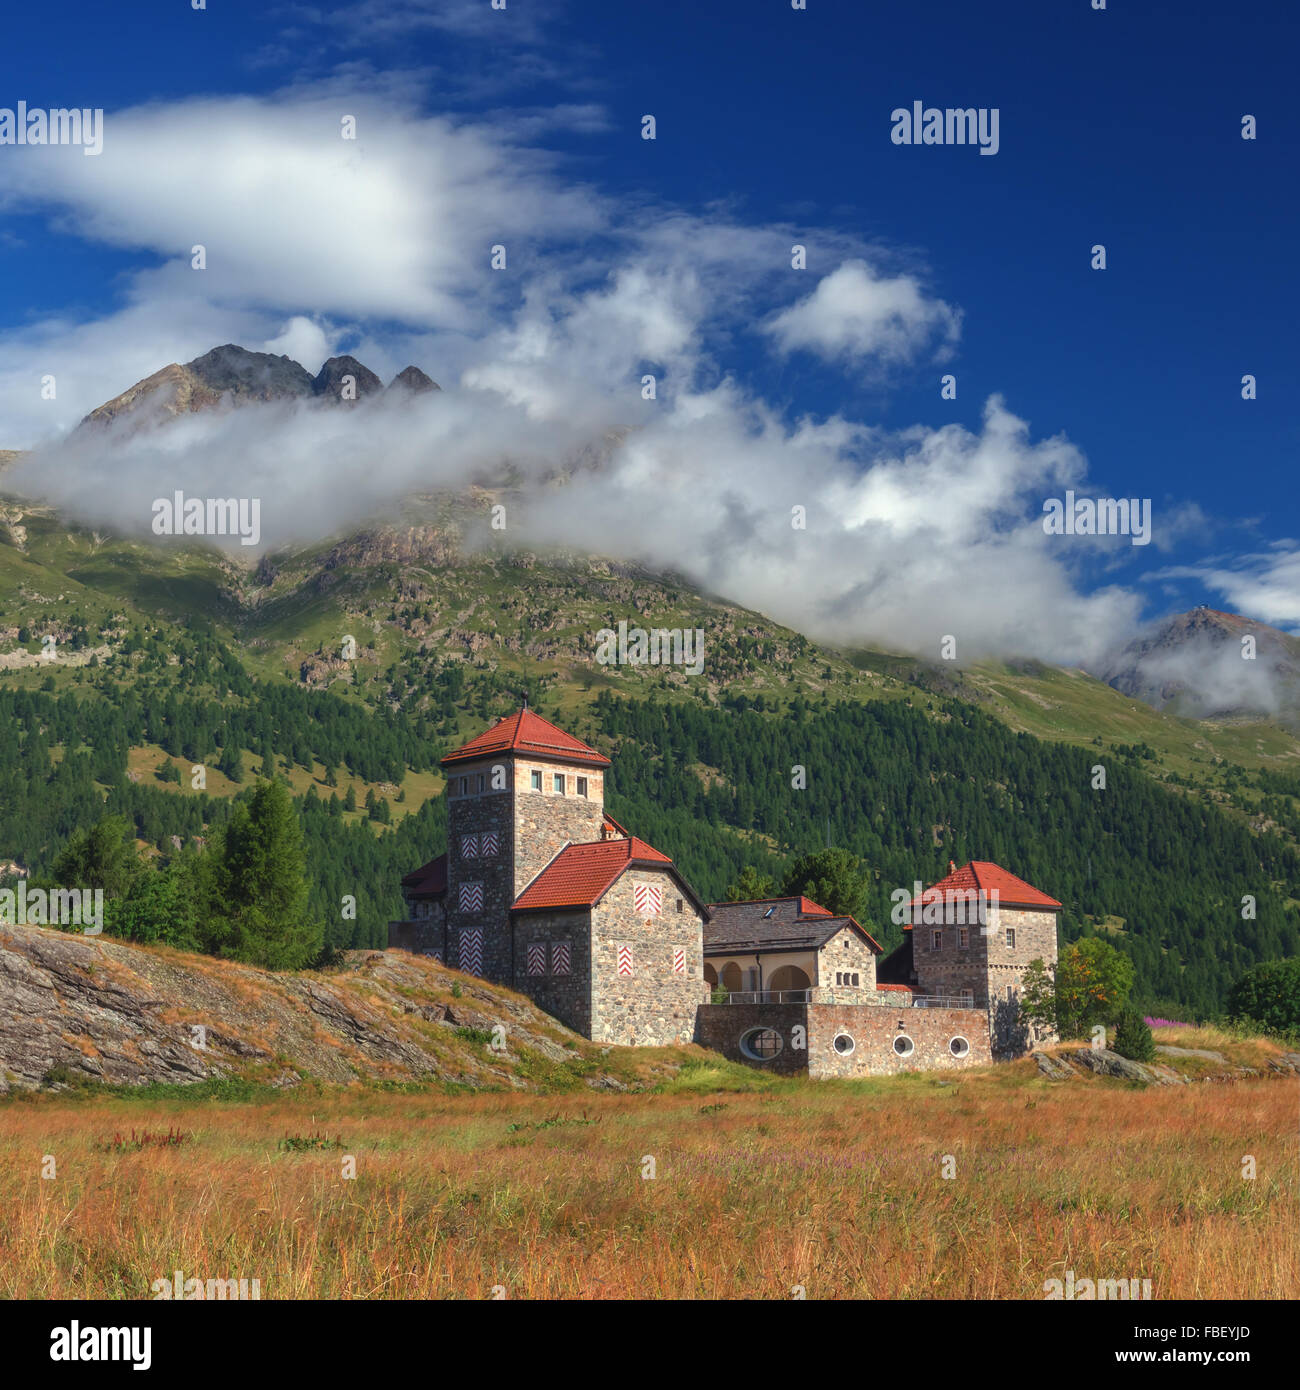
x=874 y=1029
x=724 y=1027
x=720 y=1028
x=654 y=1006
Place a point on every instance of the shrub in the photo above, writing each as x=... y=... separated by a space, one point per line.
x=1133 y=1038
x=1268 y=995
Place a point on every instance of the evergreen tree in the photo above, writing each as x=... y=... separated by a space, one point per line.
x=1133 y=1037
x=259 y=899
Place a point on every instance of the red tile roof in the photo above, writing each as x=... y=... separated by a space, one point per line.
x=580 y=875
x=526 y=732
x=983 y=877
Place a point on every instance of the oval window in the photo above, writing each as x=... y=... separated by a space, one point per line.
x=843 y=1044
x=762 y=1044
x=959 y=1047
x=903 y=1045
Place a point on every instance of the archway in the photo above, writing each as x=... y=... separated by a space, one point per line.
x=788 y=977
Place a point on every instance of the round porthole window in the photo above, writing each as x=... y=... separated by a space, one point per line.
x=762 y=1044
x=843 y=1044
x=959 y=1047
x=903 y=1045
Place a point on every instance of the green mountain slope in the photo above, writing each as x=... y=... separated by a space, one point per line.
x=179 y=656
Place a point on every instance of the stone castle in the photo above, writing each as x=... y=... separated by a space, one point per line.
x=544 y=892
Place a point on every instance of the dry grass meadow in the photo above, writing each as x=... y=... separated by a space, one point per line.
x=837 y=1187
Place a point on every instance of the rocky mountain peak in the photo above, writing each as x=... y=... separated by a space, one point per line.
x=414 y=380
x=330 y=381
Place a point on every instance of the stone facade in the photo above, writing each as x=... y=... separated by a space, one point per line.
x=564 y=993
x=480 y=885
x=655 y=1005
x=871 y=1031
x=846 y=961
x=986 y=961
x=545 y=821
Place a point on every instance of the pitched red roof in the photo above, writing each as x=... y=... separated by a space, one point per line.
x=580 y=875
x=527 y=732
x=983 y=877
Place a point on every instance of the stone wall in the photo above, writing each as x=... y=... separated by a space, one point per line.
x=545 y=821
x=655 y=1005
x=874 y=1029
x=722 y=1027
x=565 y=996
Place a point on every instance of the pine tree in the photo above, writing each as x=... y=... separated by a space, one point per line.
x=260 y=892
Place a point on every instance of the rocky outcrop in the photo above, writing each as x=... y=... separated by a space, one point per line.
x=1070 y=1064
x=74 y=1008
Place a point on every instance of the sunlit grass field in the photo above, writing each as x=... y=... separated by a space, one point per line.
x=833 y=1188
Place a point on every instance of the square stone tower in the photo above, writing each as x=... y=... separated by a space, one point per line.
x=974 y=934
x=516 y=796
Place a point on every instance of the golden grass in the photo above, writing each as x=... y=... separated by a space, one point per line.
x=835 y=1186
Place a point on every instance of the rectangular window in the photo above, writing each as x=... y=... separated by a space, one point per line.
x=559 y=957
x=1011 y=994
x=936 y=941
x=537 y=781
x=1011 y=937
x=557 y=782
x=967 y=996
x=582 y=786
x=482 y=781
x=963 y=937
x=537 y=957
x=679 y=905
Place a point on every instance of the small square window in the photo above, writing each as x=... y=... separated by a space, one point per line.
x=582 y=786
x=557 y=782
x=1011 y=937
x=537 y=781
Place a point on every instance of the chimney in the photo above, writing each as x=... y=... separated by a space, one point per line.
x=952 y=868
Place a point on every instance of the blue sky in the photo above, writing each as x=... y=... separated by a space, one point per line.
x=1120 y=127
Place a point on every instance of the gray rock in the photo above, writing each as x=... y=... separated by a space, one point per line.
x=1193 y=1052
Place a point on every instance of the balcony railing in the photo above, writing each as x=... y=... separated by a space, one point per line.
x=893 y=999
x=763 y=996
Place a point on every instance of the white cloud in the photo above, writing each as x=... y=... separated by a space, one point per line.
x=314 y=243
x=856 y=313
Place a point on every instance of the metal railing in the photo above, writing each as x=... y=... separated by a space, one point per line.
x=892 y=999
x=763 y=996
